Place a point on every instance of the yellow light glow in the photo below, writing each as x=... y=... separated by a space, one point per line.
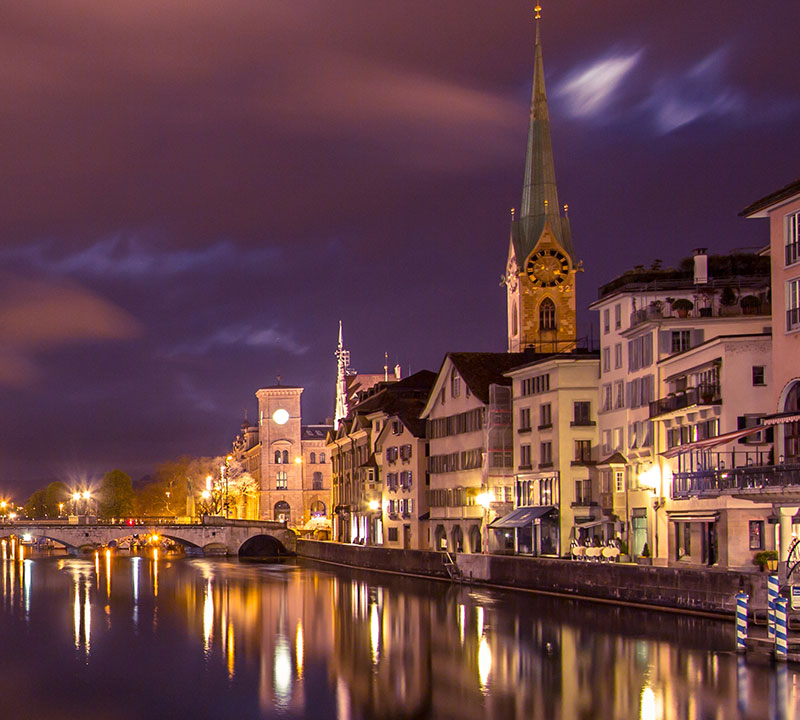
x=299 y=648
x=373 y=505
x=298 y=460
x=651 y=478
x=484 y=500
x=484 y=662
x=205 y=495
x=87 y=495
x=76 y=496
x=648 y=704
x=375 y=633
x=3 y=504
x=209 y=480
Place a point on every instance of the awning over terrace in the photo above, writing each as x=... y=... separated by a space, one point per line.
x=709 y=443
x=521 y=517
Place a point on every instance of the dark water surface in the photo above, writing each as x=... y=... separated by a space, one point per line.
x=135 y=637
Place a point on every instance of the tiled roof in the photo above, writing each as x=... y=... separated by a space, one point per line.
x=787 y=191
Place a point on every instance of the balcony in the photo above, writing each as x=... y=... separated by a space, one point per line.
x=704 y=395
x=747 y=480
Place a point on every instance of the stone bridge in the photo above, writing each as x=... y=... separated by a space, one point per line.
x=214 y=536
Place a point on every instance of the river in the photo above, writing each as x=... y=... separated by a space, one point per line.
x=118 y=637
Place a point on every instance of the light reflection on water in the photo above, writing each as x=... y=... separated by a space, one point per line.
x=251 y=640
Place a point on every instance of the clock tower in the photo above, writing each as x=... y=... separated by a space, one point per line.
x=540 y=272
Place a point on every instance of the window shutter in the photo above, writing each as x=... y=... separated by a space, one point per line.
x=665 y=342
x=697 y=337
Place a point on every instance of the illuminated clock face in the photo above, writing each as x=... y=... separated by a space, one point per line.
x=280 y=416
x=547 y=268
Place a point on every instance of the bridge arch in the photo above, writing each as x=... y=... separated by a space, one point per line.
x=263 y=546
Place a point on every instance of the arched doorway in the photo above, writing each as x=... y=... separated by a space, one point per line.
x=475 y=539
x=440 y=538
x=317 y=508
x=282 y=511
x=457 y=536
x=791 y=430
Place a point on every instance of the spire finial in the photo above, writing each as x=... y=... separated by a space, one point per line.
x=538 y=11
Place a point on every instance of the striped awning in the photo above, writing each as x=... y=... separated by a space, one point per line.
x=784 y=417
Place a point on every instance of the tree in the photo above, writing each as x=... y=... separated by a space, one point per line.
x=56 y=494
x=116 y=495
x=36 y=507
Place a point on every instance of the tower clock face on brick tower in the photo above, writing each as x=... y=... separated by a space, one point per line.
x=547 y=268
x=540 y=272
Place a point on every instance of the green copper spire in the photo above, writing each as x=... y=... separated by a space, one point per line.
x=539 y=192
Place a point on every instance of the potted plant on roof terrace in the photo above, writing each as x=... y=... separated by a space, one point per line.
x=682 y=306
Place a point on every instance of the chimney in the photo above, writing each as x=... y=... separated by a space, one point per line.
x=700 y=266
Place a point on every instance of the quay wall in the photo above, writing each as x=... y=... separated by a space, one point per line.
x=690 y=589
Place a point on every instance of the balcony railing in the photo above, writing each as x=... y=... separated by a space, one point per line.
x=729 y=480
x=704 y=395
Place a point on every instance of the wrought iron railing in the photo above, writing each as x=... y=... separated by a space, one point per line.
x=728 y=480
x=703 y=395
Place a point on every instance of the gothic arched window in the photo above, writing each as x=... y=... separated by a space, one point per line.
x=547 y=315
x=286 y=456
x=322 y=457
x=791 y=430
x=312 y=458
x=277 y=457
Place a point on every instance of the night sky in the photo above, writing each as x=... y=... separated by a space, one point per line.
x=195 y=193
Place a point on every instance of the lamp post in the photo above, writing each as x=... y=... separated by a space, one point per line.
x=76 y=496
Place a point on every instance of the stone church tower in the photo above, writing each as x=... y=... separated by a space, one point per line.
x=540 y=273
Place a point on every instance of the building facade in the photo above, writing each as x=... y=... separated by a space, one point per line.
x=288 y=460
x=555 y=451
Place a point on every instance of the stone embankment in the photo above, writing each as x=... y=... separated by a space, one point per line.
x=707 y=590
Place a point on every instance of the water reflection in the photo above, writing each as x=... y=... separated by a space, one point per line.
x=282 y=640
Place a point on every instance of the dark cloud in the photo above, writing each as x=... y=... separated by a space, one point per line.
x=194 y=194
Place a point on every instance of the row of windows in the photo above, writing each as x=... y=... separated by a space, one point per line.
x=640 y=352
x=542 y=491
x=692 y=433
x=453 y=462
x=450 y=497
x=536 y=384
x=403 y=452
x=545 y=454
x=617 y=358
x=282 y=457
x=607 y=318
x=470 y=421
x=402 y=507
x=402 y=480
x=282 y=481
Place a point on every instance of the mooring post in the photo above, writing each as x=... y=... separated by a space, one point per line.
x=741 y=621
x=773 y=590
x=781 y=639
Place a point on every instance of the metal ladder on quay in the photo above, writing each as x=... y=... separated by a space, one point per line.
x=452 y=568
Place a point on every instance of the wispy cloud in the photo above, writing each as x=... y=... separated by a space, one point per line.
x=700 y=92
x=589 y=90
x=243 y=336
x=127 y=255
x=38 y=316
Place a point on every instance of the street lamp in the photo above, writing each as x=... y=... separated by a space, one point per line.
x=86 y=497
x=76 y=496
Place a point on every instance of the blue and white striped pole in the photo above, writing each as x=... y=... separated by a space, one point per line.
x=781 y=644
x=773 y=590
x=741 y=621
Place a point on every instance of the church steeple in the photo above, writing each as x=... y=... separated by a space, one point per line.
x=540 y=274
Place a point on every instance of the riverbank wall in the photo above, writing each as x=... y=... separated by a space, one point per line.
x=707 y=590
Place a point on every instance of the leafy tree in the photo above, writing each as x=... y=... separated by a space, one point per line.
x=36 y=507
x=55 y=494
x=116 y=495
x=175 y=486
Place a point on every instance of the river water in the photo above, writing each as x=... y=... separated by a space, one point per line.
x=118 y=637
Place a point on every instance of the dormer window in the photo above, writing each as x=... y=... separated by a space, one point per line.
x=455 y=383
